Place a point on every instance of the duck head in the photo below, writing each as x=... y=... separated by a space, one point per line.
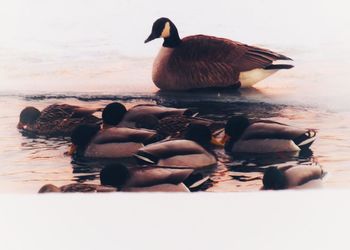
x=164 y=28
x=112 y=114
x=274 y=179
x=81 y=137
x=27 y=117
x=49 y=188
x=234 y=128
x=198 y=133
x=115 y=175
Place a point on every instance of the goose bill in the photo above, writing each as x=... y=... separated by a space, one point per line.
x=150 y=38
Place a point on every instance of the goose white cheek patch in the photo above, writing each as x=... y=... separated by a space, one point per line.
x=166 y=30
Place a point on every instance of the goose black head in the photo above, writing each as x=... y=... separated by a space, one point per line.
x=164 y=28
x=28 y=116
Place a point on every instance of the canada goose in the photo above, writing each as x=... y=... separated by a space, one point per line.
x=55 y=120
x=115 y=114
x=205 y=61
x=290 y=176
x=244 y=136
x=113 y=143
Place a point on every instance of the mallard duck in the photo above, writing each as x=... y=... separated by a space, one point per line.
x=117 y=177
x=55 y=120
x=115 y=114
x=244 y=136
x=113 y=143
x=291 y=176
x=145 y=179
x=76 y=187
x=176 y=154
x=206 y=61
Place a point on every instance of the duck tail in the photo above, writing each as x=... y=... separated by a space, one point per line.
x=305 y=140
x=279 y=66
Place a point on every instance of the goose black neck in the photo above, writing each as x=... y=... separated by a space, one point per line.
x=171 y=43
x=174 y=39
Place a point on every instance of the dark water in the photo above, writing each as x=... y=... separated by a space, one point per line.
x=28 y=163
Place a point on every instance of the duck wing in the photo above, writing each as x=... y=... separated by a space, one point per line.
x=176 y=153
x=300 y=175
x=56 y=112
x=176 y=125
x=149 y=176
x=119 y=135
x=171 y=148
x=271 y=130
x=139 y=111
x=63 y=126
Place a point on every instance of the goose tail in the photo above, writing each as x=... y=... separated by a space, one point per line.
x=279 y=66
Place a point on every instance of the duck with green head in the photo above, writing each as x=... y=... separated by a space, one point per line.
x=113 y=143
x=290 y=176
x=189 y=152
x=118 y=177
x=245 y=136
x=116 y=114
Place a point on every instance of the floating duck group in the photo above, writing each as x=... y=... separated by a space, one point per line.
x=156 y=148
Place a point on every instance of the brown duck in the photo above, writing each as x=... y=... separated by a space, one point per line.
x=55 y=120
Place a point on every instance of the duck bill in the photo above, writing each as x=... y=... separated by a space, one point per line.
x=20 y=125
x=150 y=38
x=72 y=150
x=222 y=142
x=225 y=139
